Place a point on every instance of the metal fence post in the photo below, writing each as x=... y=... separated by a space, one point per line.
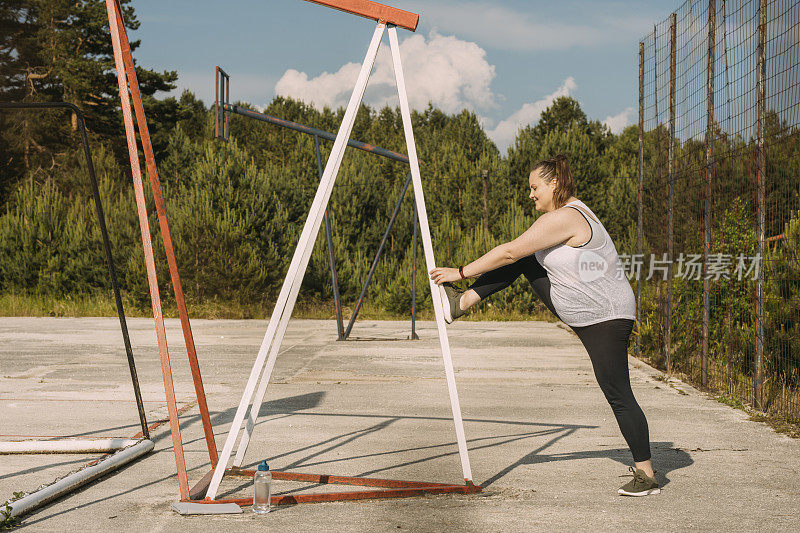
x=673 y=22
x=639 y=201
x=760 y=185
x=712 y=8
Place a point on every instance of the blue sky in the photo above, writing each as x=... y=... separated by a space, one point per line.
x=504 y=60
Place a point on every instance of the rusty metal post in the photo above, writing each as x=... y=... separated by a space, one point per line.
x=655 y=90
x=712 y=12
x=222 y=96
x=216 y=102
x=337 y=301
x=639 y=195
x=414 y=336
x=155 y=186
x=120 y=49
x=760 y=189
x=673 y=22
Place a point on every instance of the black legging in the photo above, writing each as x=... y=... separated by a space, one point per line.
x=606 y=343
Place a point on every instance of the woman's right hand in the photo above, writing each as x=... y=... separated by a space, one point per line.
x=441 y=275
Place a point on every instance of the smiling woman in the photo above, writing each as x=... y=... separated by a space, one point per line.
x=572 y=264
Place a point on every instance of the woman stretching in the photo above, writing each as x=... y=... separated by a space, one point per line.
x=572 y=264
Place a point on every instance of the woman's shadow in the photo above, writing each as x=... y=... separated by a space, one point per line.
x=666 y=458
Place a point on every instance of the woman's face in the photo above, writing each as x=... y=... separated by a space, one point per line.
x=541 y=191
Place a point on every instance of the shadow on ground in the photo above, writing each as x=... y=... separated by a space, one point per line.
x=666 y=457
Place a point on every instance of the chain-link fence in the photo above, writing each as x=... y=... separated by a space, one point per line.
x=719 y=173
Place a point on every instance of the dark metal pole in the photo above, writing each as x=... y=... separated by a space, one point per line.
x=671 y=177
x=485 y=209
x=112 y=272
x=226 y=116
x=302 y=128
x=377 y=257
x=337 y=302
x=216 y=102
x=760 y=189
x=639 y=195
x=708 y=177
x=414 y=335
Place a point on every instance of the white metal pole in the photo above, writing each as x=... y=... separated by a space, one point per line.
x=258 y=401
x=255 y=408
x=80 y=478
x=104 y=445
x=427 y=245
x=300 y=259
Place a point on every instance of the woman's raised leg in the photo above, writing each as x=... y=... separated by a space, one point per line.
x=500 y=278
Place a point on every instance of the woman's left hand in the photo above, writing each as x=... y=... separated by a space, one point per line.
x=443 y=274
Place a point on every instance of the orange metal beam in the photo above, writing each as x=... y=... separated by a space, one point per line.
x=324 y=497
x=392 y=488
x=155 y=186
x=374 y=11
x=147 y=245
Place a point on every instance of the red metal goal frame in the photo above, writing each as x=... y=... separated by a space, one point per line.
x=127 y=79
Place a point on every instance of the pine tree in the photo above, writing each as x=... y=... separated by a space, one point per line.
x=60 y=50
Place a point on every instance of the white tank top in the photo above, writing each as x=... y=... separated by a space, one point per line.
x=587 y=282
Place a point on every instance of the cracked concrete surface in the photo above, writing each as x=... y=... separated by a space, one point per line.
x=543 y=442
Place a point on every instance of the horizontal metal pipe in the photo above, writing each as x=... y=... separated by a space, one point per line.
x=65 y=446
x=42 y=105
x=308 y=130
x=79 y=478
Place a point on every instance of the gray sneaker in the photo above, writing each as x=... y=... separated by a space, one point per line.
x=640 y=485
x=451 y=301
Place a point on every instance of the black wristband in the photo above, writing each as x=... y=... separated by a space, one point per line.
x=461 y=272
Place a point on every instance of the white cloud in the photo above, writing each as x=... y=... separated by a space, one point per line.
x=618 y=122
x=450 y=73
x=327 y=89
x=508 y=29
x=504 y=133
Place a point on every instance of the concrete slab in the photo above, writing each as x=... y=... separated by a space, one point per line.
x=543 y=442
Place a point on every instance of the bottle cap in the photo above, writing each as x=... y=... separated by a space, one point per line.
x=263 y=467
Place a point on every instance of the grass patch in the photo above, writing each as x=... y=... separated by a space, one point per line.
x=6 y=520
x=102 y=304
x=732 y=402
x=778 y=423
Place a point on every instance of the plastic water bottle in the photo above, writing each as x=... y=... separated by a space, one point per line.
x=262 y=488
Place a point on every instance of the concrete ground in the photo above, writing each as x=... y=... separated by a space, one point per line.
x=543 y=441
